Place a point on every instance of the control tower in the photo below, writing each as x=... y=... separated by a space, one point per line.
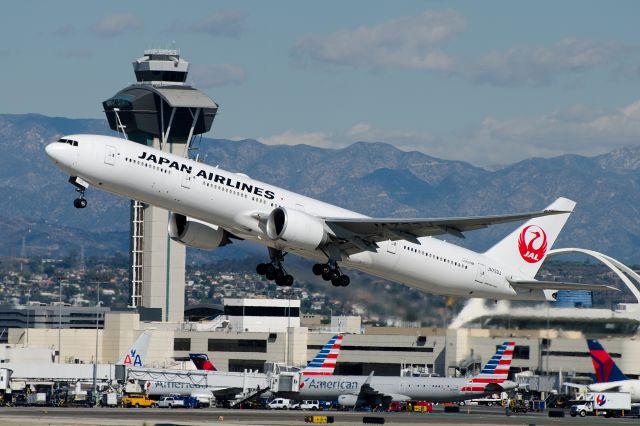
x=160 y=111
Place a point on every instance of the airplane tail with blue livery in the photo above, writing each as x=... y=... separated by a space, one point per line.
x=606 y=369
x=324 y=363
x=494 y=373
x=135 y=355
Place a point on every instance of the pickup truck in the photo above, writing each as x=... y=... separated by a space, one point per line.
x=137 y=400
x=170 y=402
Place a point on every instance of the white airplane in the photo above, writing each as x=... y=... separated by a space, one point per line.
x=352 y=391
x=210 y=206
x=609 y=378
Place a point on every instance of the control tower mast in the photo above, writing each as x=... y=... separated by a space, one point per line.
x=163 y=112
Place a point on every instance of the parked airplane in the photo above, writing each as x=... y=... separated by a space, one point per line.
x=609 y=378
x=352 y=391
x=134 y=356
x=202 y=362
x=211 y=206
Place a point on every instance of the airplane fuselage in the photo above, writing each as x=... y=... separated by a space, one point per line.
x=240 y=205
x=434 y=389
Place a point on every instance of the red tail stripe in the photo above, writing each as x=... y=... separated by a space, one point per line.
x=316 y=373
x=508 y=352
x=479 y=380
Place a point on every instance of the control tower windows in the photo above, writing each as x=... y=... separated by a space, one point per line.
x=148 y=75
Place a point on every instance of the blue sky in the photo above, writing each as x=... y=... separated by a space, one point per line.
x=489 y=82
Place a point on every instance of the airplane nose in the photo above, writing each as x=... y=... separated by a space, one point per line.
x=54 y=151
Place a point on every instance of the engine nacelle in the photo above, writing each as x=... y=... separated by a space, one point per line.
x=348 y=401
x=296 y=228
x=195 y=233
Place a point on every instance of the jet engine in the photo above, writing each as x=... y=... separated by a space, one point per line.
x=296 y=228
x=195 y=233
x=348 y=401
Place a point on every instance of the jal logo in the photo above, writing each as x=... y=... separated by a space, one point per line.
x=133 y=359
x=601 y=399
x=532 y=244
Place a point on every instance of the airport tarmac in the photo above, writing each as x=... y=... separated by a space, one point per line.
x=128 y=416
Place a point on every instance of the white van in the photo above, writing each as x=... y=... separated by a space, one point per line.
x=280 y=404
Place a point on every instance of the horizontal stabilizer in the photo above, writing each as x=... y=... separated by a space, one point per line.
x=559 y=285
x=575 y=385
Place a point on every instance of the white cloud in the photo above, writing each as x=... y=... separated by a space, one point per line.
x=293 y=137
x=217 y=75
x=418 y=43
x=113 y=25
x=539 y=66
x=576 y=130
x=225 y=23
x=408 y=42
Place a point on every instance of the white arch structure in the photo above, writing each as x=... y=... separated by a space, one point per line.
x=619 y=268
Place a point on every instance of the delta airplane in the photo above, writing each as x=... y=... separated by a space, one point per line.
x=210 y=206
x=609 y=378
x=352 y=391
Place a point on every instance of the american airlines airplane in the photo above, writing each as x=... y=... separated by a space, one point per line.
x=210 y=207
x=351 y=391
x=609 y=378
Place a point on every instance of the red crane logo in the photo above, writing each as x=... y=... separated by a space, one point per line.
x=532 y=244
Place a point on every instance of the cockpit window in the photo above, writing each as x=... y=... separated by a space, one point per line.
x=68 y=142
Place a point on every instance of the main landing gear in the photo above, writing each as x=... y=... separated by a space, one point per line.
x=81 y=186
x=275 y=271
x=331 y=272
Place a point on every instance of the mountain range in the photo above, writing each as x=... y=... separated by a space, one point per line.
x=377 y=179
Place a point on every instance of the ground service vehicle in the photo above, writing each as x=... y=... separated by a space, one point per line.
x=170 y=402
x=307 y=404
x=609 y=404
x=137 y=400
x=280 y=404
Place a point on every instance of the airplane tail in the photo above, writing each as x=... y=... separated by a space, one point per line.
x=526 y=247
x=494 y=372
x=202 y=362
x=606 y=369
x=324 y=363
x=135 y=355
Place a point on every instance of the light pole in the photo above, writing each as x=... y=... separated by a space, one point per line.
x=59 y=318
x=95 y=360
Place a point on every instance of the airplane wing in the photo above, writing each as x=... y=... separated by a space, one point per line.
x=362 y=234
x=559 y=285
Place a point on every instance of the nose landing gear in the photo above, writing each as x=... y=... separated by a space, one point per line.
x=81 y=186
x=275 y=271
x=331 y=272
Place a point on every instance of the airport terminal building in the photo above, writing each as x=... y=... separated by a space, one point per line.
x=249 y=332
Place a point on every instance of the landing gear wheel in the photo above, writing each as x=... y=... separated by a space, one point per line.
x=280 y=280
x=344 y=280
x=335 y=282
x=80 y=203
x=261 y=269
x=334 y=274
x=326 y=276
x=318 y=269
x=288 y=280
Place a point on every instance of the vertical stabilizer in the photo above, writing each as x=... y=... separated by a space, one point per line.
x=135 y=355
x=324 y=363
x=526 y=247
x=202 y=362
x=606 y=369
x=495 y=371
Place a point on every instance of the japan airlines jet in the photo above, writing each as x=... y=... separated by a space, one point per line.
x=609 y=378
x=352 y=391
x=210 y=206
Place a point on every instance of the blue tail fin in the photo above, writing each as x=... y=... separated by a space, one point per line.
x=606 y=369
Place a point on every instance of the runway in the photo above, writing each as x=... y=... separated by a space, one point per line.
x=160 y=417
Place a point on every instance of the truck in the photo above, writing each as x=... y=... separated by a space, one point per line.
x=609 y=404
x=137 y=400
x=171 y=402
